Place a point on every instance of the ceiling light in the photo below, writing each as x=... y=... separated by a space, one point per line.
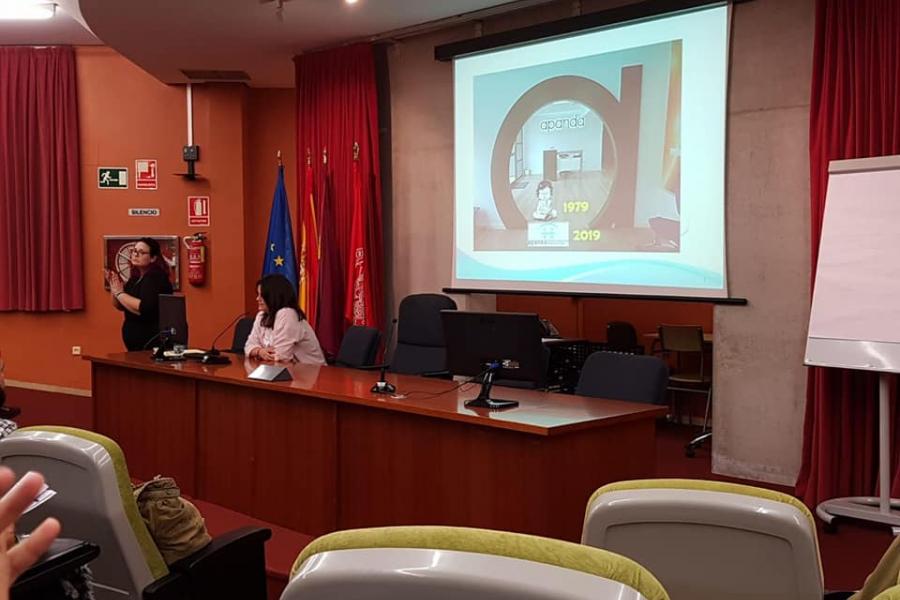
x=26 y=11
x=350 y=1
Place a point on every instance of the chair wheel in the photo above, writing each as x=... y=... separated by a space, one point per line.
x=689 y=451
x=830 y=528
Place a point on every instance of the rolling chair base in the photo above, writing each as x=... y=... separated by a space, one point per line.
x=691 y=447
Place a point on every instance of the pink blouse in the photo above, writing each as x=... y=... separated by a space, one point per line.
x=293 y=340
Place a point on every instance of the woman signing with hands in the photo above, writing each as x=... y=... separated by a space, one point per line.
x=138 y=298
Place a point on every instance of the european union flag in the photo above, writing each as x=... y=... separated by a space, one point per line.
x=280 y=257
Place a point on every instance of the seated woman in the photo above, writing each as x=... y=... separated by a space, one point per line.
x=281 y=331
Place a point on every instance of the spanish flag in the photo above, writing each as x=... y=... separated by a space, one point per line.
x=309 y=245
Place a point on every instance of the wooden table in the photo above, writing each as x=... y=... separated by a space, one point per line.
x=322 y=453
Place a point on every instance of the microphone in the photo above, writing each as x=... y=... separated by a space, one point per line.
x=381 y=386
x=212 y=351
x=163 y=335
x=213 y=356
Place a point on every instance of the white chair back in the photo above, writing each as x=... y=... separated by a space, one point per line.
x=88 y=504
x=414 y=573
x=709 y=545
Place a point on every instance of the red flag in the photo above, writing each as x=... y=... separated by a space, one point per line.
x=330 y=322
x=309 y=246
x=358 y=307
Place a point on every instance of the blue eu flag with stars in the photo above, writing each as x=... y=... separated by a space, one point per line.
x=280 y=257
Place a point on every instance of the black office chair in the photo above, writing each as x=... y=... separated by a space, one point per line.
x=622 y=337
x=241 y=332
x=629 y=377
x=358 y=347
x=420 y=335
x=686 y=341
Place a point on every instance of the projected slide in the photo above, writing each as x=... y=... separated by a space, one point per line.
x=595 y=162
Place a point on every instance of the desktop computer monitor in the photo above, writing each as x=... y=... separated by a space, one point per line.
x=172 y=314
x=505 y=346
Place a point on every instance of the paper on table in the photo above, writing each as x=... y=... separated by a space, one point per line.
x=45 y=494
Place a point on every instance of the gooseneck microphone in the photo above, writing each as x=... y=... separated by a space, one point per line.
x=212 y=351
x=213 y=356
x=382 y=386
x=163 y=335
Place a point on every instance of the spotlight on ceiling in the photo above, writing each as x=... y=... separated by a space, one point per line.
x=351 y=1
x=24 y=10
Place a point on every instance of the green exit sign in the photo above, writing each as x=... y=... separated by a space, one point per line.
x=112 y=178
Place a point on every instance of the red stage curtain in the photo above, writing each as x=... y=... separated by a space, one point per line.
x=337 y=105
x=854 y=113
x=40 y=192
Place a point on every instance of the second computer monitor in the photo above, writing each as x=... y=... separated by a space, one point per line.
x=476 y=339
x=172 y=314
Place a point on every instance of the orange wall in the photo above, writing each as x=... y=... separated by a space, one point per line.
x=587 y=317
x=125 y=114
x=271 y=126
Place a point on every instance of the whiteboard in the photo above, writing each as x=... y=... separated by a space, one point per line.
x=855 y=315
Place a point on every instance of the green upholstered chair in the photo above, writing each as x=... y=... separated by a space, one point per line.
x=94 y=502
x=453 y=563
x=708 y=540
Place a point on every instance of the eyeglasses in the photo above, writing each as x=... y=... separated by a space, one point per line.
x=139 y=252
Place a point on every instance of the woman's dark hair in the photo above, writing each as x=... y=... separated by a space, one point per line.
x=157 y=260
x=278 y=293
x=542 y=185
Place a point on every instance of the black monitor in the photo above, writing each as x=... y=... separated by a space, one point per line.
x=496 y=345
x=172 y=314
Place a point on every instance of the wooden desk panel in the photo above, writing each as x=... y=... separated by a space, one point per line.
x=153 y=419
x=402 y=470
x=321 y=452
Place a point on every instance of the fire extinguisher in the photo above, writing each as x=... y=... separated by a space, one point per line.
x=196 y=252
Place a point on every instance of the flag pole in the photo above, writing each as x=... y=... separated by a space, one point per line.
x=355 y=151
x=278 y=158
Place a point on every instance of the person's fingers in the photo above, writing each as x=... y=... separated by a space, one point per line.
x=7 y=478
x=30 y=549
x=17 y=499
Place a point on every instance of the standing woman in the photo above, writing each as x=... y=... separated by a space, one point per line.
x=138 y=298
x=281 y=331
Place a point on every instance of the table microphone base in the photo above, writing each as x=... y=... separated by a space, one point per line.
x=492 y=403
x=383 y=387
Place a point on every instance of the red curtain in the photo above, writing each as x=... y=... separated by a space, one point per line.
x=854 y=113
x=337 y=105
x=40 y=193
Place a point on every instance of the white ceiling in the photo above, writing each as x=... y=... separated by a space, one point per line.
x=165 y=36
x=63 y=29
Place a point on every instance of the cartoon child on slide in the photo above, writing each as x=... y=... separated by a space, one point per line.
x=544 y=210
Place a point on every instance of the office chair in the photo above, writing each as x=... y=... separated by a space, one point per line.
x=358 y=347
x=687 y=341
x=420 y=346
x=708 y=540
x=622 y=337
x=624 y=377
x=94 y=502
x=241 y=332
x=454 y=563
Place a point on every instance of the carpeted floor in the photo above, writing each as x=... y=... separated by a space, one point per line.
x=847 y=556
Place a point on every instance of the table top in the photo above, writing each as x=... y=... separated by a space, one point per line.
x=541 y=413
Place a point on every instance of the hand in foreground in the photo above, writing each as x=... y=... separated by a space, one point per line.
x=16 y=559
